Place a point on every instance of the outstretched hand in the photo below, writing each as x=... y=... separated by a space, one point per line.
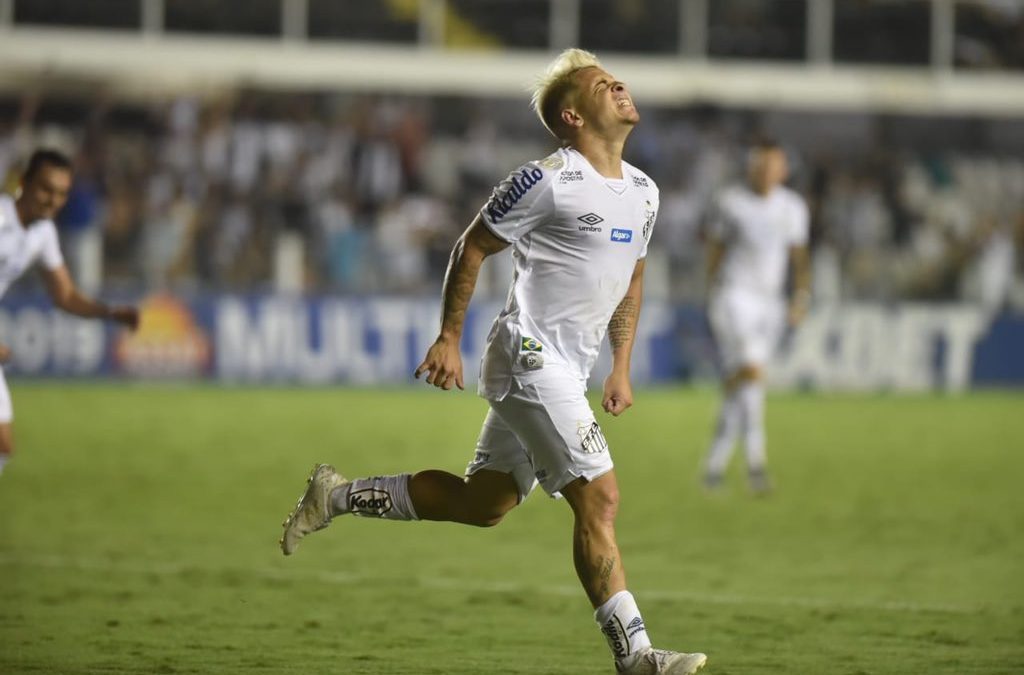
x=126 y=315
x=442 y=364
x=5 y=353
x=618 y=394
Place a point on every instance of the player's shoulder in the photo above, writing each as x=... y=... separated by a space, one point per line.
x=48 y=227
x=555 y=162
x=791 y=195
x=520 y=189
x=793 y=200
x=639 y=179
x=539 y=171
x=6 y=210
x=731 y=194
x=562 y=167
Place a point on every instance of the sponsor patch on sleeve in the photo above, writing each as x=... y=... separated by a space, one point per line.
x=508 y=194
x=552 y=163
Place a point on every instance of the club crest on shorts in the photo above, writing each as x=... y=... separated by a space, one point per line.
x=591 y=438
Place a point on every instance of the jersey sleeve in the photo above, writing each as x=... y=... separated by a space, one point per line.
x=650 y=216
x=800 y=223
x=50 y=254
x=519 y=203
x=717 y=225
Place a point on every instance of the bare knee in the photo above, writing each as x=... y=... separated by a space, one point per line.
x=605 y=505
x=489 y=496
x=485 y=518
x=595 y=503
x=6 y=440
x=487 y=513
x=742 y=375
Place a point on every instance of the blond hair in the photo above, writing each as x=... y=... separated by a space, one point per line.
x=551 y=87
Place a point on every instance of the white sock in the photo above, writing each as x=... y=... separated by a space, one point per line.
x=376 y=497
x=3 y=460
x=623 y=627
x=751 y=396
x=727 y=430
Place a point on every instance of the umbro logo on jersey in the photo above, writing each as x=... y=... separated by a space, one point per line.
x=501 y=204
x=622 y=236
x=591 y=221
x=639 y=181
x=570 y=176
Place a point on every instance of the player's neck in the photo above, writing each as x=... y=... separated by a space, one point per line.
x=604 y=155
x=761 y=190
x=23 y=217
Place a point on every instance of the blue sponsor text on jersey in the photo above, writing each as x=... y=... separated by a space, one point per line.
x=521 y=184
x=622 y=236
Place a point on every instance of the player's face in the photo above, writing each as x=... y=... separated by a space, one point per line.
x=767 y=169
x=44 y=194
x=603 y=101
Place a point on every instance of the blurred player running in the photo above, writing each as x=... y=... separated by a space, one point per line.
x=27 y=237
x=579 y=223
x=753 y=230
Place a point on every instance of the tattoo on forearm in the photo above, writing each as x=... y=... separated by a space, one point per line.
x=622 y=326
x=458 y=289
x=605 y=572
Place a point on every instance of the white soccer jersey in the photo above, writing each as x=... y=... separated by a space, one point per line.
x=576 y=238
x=757 y=232
x=21 y=247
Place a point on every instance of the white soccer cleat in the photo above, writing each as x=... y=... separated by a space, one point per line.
x=652 y=661
x=760 y=484
x=313 y=511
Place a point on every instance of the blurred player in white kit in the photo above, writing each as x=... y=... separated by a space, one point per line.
x=579 y=222
x=753 y=230
x=29 y=237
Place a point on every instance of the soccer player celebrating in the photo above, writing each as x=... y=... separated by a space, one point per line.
x=753 y=230
x=27 y=237
x=579 y=222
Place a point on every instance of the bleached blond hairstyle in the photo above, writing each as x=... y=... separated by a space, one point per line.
x=550 y=88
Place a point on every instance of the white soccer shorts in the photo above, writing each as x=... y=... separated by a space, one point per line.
x=746 y=326
x=6 y=409
x=543 y=432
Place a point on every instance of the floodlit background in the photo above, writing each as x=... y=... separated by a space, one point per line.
x=255 y=171
x=278 y=183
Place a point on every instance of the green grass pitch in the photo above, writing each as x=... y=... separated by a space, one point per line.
x=138 y=530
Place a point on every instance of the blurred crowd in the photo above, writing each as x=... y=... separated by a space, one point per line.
x=355 y=194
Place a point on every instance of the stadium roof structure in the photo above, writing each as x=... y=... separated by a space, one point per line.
x=151 y=60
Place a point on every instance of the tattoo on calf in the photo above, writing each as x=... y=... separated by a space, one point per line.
x=605 y=572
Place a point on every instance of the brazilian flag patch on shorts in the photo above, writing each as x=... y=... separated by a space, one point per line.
x=530 y=345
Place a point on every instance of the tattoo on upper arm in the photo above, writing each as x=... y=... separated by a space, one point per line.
x=622 y=326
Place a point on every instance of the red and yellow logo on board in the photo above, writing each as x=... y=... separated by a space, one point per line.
x=168 y=342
